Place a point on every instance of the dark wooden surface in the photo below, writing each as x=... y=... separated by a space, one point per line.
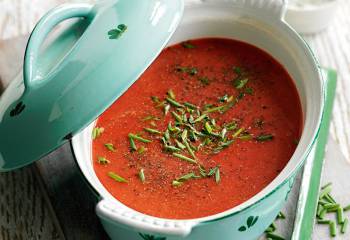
x=71 y=197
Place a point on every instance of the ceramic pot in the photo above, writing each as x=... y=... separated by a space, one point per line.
x=261 y=23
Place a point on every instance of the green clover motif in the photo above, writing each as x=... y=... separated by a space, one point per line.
x=150 y=237
x=250 y=222
x=117 y=32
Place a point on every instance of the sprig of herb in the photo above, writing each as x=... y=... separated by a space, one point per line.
x=102 y=160
x=116 y=177
x=182 y=157
x=96 y=132
x=240 y=83
x=151 y=130
x=187 y=45
x=327 y=204
x=264 y=137
x=137 y=137
x=110 y=147
x=142 y=175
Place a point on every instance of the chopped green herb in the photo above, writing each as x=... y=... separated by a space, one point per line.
x=102 y=160
x=141 y=150
x=240 y=83
x=215 y=109
x=281 y=215
x=347 y=208
x=193 y=71
x=190 y=105
x=155 y=99
x=208 y=127
x=319 y=221
x=141 y=139
x=184 y=135
x=223 y=98
x=264 y=137
x=132 y=144
x=237 y=70
x=151 y=130
x=237 y=133
x=344 y=226
x=171 y=94
x=187 y=176
x=204 y=80
x=245 y=137
x=200 y=118
x=182 y=157
x=340 y=215
x=179 y=144
x=181 y=69
x=176 y=183
x=212 y=171
x=202 y=171
x=333 y=229
x=249 y=91
x=187 y=45
x=96 y=132
x=173 y=102
x=110 y=147
x=172 y=148
x=325 y=191
x=177 y=116
x=166 y=109
x=231 y=126
x=116 y=177
x=217 y=175
x=142 y=175
x=150 y=118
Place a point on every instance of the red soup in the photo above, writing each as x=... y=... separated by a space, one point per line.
x=206 y=127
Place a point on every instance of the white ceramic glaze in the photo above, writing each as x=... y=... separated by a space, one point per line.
x=258 y=22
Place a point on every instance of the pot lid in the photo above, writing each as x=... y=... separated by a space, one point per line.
x=78 y=76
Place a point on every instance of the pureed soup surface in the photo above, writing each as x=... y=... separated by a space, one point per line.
x=206 y=127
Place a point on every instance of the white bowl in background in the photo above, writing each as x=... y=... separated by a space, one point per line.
x=311 y=18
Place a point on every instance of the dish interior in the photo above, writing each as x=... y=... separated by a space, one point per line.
x=218 y=120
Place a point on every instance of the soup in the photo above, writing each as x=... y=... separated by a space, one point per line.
x=207 y=126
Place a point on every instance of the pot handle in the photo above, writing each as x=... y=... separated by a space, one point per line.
x=109 y=211
x=42 y=29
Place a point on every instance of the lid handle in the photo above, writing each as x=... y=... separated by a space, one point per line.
x=42 y=29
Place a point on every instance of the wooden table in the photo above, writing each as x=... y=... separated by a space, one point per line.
x=28 y=196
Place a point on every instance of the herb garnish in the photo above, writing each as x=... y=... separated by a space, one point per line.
x=110 y=147
x=204 y=80
x=187 y=45
x=327 y=204
x=180 y=180
x=137 y=137
x=96 y=132
x=151 y=130
x=182 y=157
x=116 y=177
x=117 y=32
x=102 y=160
x=240 y=83
x=142 y=175
x=264 y=137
